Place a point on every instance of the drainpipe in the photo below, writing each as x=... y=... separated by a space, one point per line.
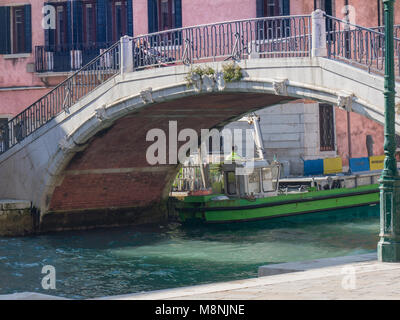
x=379 y=12
x=350 y=154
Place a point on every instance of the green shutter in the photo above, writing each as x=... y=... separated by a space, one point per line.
x=78 y=22
x=101 y=20
x=328 y=7
x=178 y=13
x=129 y=9
x=49 y=36
x=152 y=15
x=260 y=8
x=286 y=7
x=28 y=28
x=5 y=40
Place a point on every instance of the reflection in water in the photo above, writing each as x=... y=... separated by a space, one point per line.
x=119 y=261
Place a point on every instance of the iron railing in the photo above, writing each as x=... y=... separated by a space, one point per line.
x=364 y=47
x=61 y=98
x=68 y=57
x=286 y=36
x=396 y=30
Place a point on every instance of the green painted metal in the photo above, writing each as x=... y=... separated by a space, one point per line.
x=389 y=243
x=234 y=209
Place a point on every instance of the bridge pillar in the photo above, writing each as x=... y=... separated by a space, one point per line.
x=126 y=54
x=389 y=243
x=318 y=34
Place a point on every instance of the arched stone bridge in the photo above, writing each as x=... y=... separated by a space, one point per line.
x=86 y=166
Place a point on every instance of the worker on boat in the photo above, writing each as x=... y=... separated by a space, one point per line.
x=234 y=156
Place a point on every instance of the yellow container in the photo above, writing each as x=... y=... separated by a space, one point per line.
x=376 y=162
x=332 y=165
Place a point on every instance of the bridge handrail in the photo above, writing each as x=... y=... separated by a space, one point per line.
x=61 y=98
x=358 y=45
x=225 y=22
x=278 y=36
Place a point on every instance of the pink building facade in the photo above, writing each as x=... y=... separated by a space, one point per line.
x=39 y=38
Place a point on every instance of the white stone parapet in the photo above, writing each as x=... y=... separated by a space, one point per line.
x=318 y=34
x=126 y=54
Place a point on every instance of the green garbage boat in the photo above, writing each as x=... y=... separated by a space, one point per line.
x=256 y=193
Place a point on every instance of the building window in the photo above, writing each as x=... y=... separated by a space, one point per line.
x=18 y=29
x=270 y=29
x=164 y=15
x=119 y=17
x=89 y=23
x=271 y=8
x=324 y=5
x=326 y=127
x=61 y=24
x=15 y=30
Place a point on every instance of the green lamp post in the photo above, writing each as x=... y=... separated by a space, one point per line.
x=389 y=243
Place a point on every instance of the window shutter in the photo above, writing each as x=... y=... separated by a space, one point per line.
x=74 y=25
x=109 y=21
x=328 y=7
x=152 y=15
x=78 y=21
x=178 y=13
x=49 y=36
x=129 y=20
x=260 y=8
x=28 y=28
x=286 y=12
x=101 y=21
x=286 y=7
x=69 y=22
x=5 y=40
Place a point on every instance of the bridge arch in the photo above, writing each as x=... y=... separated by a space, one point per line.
x=46 y=167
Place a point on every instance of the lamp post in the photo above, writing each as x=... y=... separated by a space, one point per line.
x=389 y=243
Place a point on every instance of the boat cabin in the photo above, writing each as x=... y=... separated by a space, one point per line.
x=256 y=179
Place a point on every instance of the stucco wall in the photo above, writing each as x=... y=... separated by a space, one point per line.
x=14 y=71
x=14 y=101
x=360 y=127
x=366 y=12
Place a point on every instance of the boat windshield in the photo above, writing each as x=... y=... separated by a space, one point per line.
x=254 y=182
x=269 y=178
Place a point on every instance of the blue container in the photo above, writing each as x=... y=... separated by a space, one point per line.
x=313 y=167
x=359 y=164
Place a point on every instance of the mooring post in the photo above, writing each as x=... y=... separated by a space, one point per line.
x=318 y=34
x=389 y=243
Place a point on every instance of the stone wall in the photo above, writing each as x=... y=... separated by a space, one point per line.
x=16 y=218
x=291 y=132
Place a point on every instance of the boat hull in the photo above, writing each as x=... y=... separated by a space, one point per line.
x=240 y=210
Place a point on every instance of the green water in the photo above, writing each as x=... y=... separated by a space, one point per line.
x=120 y=261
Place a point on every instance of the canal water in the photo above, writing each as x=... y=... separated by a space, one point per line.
x=127 y=260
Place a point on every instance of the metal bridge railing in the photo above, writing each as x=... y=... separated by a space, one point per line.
x=364 y=47
x=286 y=36
x=61 y=98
